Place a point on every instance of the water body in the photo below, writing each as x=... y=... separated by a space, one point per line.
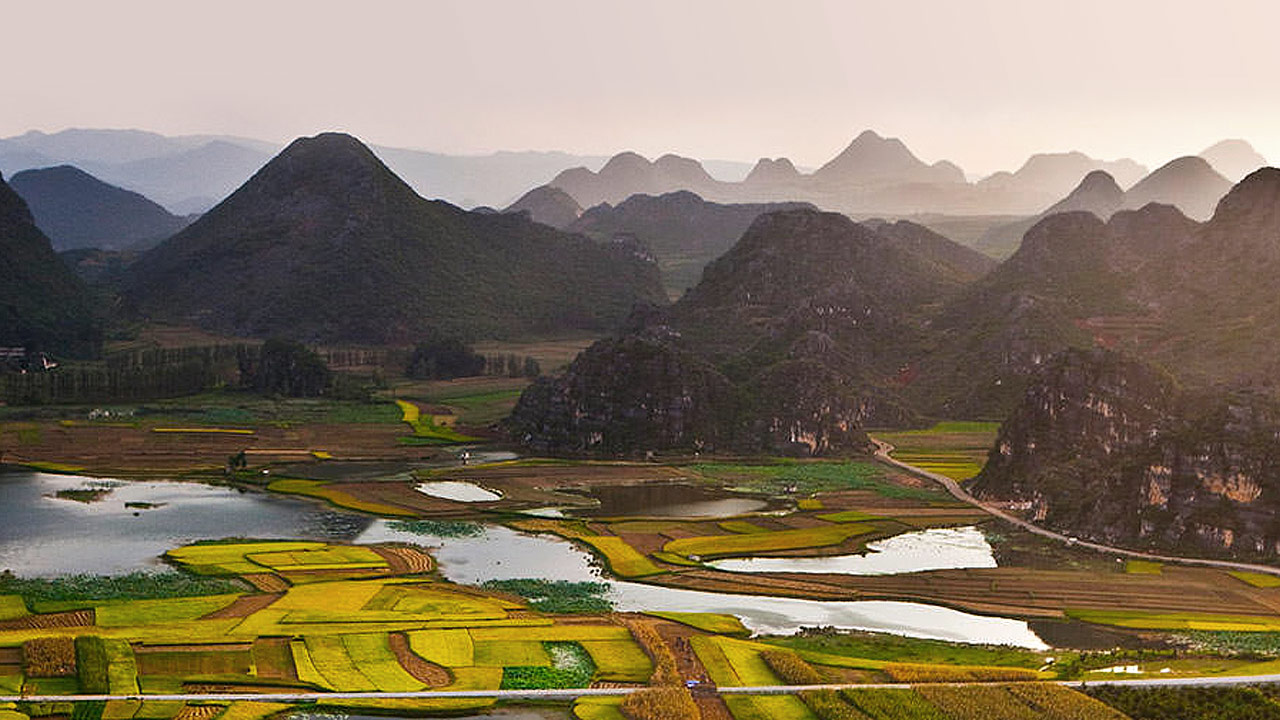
x=500 y=553
x=932 y=549
x=457 y=490
x=41 y=535
x=668 y=500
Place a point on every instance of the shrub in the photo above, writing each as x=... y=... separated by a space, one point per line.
x=664 y=702
x=790 y=667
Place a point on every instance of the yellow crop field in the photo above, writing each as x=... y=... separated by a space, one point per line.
x=450 y=648
x=372 y=654
x=328 y=557
x=552 y=633
x=321 y=490
x=329 y=655
x=728 y=545
x=623 y=559
x=716 y=623
x=619 y=660
x=510 y=653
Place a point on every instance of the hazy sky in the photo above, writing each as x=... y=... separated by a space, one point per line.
x=981 y=82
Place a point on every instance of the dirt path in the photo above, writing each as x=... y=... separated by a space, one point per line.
x=882 y=453
x=676 y=637
x=244 y=606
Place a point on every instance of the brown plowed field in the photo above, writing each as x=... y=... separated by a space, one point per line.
x=76 y=618
x=405 y=561
x=244 y=606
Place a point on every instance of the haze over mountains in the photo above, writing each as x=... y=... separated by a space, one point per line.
x=77 y=210
x=325 y=243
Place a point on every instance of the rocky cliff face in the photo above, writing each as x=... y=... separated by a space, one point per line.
x=792 y=343
x=1108 y=448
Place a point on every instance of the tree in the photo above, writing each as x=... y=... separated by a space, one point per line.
x=288 y=368
x=443 y=358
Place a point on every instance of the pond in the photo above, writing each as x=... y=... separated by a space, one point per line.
x=668 y=500
x=42 y=535
x=457 y=490
x=932 y=549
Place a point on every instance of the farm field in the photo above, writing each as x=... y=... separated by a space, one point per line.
x=957 y=450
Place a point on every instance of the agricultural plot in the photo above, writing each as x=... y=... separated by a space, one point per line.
x=341 y=498
x=1177 y=621
x=715 y=546
x=429 y=428
x=957 y=450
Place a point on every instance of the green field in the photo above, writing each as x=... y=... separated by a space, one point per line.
x=806 y=478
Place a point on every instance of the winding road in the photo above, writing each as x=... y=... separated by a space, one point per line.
x=882 y=454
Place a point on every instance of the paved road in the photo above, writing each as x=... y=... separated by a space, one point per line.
x=570 y=694
x=882 y=453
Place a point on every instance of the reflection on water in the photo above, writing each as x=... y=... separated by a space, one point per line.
x=501 y=553
x=932 y=549
x=668 y=500
x=42 y=535
x=457 y=490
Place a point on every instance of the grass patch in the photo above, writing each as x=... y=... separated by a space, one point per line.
x=895 y=648
x=510 y=653
x=712 y=546
x=569 y=667
x=715 y=623
x=891 y=704
x=807 y=478
x=12 y=607
x=556 y=596
x=131 y=613
x=426 y=427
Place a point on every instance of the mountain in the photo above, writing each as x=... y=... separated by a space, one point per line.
x=42 y=305
x=1052 y=175
x=549 y=206
x=874 y=160
x=497 y=179
x=1097 y=193
x=683 y=231
x=1233 y=159
x=191 y=181
x=628 y=173
x=76 y=210
x=1110 y=449
x=771 y=172
x=325 y=243
x=192 y=173
x=1188 y=183
x=792 y=342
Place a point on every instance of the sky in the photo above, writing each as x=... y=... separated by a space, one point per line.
x=983 y=83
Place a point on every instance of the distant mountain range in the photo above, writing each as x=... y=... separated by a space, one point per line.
x=683 y=231
x=873 y=175
x=325 y=243
x=76 y=210
x=192 y=173
x=1189 y=184
x=42 y=305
